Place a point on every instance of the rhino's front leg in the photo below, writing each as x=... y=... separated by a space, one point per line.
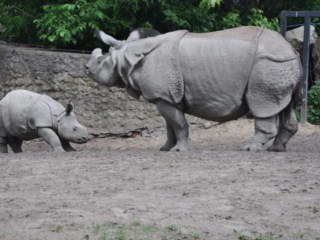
x=177 y=127
x=66 y=145
x=50 y=137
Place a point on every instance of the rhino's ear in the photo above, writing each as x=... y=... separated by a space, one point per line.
x=109 y=40
x=97 y=52
x=69 y=109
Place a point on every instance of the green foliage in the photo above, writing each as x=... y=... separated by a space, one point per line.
x=257 y=18
x=231 y=20
x=205 y=5
x=16 y=21
x=313 y=114
x=69 y=23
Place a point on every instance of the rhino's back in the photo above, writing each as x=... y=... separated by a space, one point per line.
x=227 y=71
x=216 y=68
x=15 y=109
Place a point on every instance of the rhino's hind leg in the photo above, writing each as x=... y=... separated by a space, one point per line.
x=265 y=130
x=15 y=144
x=177 y=127
x=3 y=145
x=288 y=126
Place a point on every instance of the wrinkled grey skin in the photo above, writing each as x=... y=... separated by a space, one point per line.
x=218 y=76
x=25 y=115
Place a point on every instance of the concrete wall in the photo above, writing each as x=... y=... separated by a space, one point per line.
x=61 y=75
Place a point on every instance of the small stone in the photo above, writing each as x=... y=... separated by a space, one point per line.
x=207 y=125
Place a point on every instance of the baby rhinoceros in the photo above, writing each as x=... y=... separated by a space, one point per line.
x=26 y=115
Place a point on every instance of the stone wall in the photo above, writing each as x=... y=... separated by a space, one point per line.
x=61 y=75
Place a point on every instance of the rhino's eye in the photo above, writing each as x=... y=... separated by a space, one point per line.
x=75 y=129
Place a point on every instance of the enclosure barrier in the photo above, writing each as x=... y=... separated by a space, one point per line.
x=307 y=15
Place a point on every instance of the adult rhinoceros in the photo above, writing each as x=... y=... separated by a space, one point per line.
x=217 y=76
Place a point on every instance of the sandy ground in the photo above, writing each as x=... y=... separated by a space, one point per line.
x=215 y=190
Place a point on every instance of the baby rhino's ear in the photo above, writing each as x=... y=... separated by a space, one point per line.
x=69 y=109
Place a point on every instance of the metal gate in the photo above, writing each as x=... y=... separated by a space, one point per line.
x=307 y=15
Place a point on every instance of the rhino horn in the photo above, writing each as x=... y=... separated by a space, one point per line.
x=109 y=40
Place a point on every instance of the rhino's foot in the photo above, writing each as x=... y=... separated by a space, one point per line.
x=71 y=150
x=3 y=148
x=58 y=150
x=165 y=149
x=253 y=147
x=277 y=148
x=180 y=148
x=167 y=146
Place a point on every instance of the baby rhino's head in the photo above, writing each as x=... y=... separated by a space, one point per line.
x=70 y=129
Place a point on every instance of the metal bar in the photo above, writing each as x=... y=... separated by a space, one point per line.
x=301 y=13
x=305 y=68
x=283 y=24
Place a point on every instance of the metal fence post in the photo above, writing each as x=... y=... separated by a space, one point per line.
x=283 y=24
x=305 y=61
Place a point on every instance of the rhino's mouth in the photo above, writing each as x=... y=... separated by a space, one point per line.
x=81 y=140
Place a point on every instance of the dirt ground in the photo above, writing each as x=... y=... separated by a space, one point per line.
x=215 y=191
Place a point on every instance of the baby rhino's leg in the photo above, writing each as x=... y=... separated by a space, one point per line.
x=50 y=137
x=15 y=144
x=3 y=145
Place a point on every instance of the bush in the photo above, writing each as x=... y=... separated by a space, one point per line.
x=314 y=104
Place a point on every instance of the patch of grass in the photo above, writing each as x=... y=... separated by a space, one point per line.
x=2 y=234
x=172 y=228
x=266 y=236
x=97 y=228
x=305 y=235
x=150 y=228
x=135 y=223
x=136 y=230
x=120 y=234
x=57 y=229
x=195 y=236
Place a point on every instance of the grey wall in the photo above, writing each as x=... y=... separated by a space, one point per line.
x=61 y=76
